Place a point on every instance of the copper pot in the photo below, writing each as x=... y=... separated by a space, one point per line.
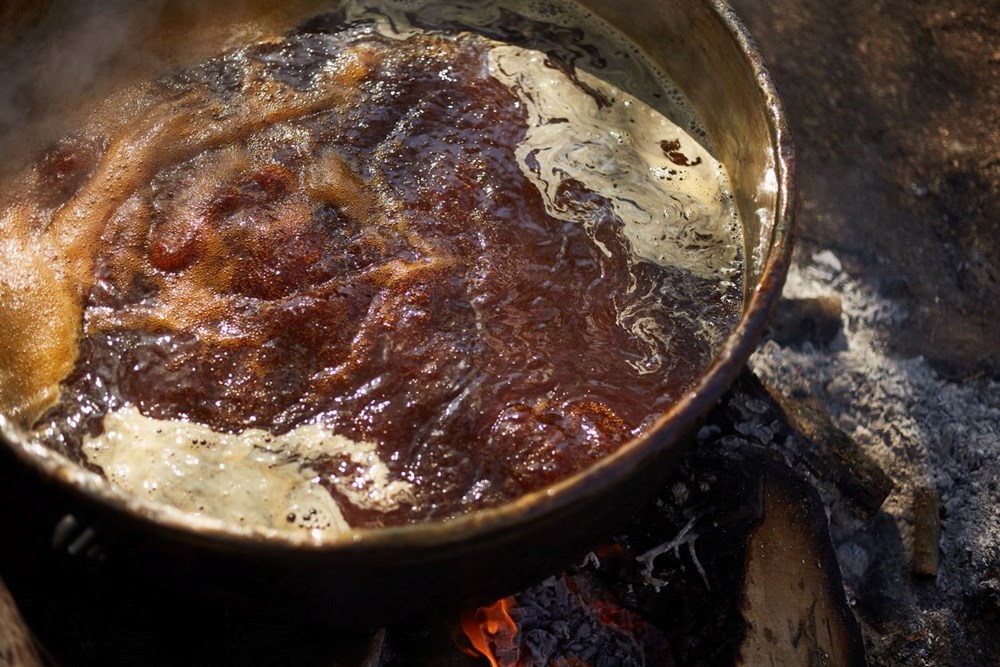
x=370 y=576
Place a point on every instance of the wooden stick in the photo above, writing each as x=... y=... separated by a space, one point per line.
x=835 y=455
x=17 y=648
x=926 y=533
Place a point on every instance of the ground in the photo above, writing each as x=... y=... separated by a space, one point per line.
x=895 y=111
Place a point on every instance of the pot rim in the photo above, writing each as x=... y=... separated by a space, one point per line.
x=666 y=433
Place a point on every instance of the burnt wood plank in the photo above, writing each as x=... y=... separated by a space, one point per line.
x=17 y=649
x=794 y=602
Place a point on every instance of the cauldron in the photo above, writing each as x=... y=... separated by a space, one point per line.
x=370 y=577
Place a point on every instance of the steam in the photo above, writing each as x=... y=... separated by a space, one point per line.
x=60 y=56
x=60 y=50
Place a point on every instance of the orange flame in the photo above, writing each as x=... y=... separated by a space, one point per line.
x=493 y=633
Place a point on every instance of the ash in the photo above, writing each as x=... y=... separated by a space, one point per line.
x=932 y=436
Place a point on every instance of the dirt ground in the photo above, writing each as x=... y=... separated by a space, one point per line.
x=895 y=112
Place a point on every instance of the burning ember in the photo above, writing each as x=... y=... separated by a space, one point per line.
x=566 y=621
x=493 y=633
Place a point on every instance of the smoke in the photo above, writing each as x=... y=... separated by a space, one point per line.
x=58 y=50
x=58 y=56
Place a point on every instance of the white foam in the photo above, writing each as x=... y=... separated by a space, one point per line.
x=672 y=215
x=253 y=478
x=667 y=190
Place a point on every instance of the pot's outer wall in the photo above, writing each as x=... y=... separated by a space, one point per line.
x=373 y=576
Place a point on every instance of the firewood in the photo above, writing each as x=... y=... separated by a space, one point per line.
x=794 y=603
x=17 y=649
x=817 y=320
x=835 y=455
x=926 y=533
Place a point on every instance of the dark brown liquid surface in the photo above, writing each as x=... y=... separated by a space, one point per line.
x=381 y=265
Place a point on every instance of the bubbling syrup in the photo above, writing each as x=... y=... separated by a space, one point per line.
x=387 y=269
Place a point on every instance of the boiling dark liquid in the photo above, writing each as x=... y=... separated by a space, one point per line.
x=384 y=266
